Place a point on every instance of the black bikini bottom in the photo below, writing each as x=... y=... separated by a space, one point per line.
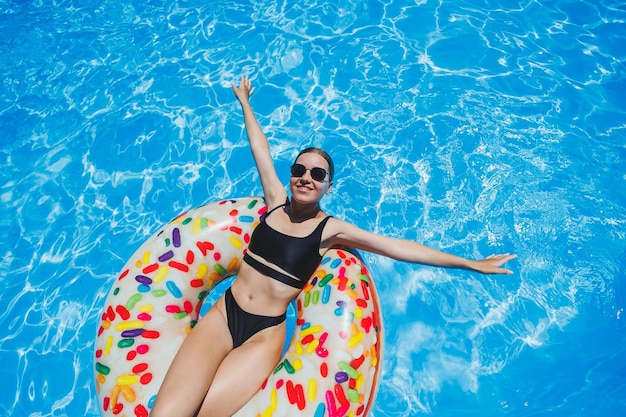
x=244 y=325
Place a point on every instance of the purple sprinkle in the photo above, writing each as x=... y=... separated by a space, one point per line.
x=132 y=333
x=166 y=256
x=341 y=377
x=142 y=279
x=342 y=304
x=176 y=237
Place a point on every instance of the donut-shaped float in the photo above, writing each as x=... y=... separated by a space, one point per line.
x=330 y=368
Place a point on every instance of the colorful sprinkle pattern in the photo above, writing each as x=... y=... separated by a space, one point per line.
x=331 y=367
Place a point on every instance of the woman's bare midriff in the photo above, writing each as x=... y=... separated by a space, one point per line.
x=259 y=294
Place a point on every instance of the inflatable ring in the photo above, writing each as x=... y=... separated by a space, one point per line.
x=332 y=364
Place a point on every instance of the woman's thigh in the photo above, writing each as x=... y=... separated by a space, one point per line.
x=195 y=365
x=243 y=371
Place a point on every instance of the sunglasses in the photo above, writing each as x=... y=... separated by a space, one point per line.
x=317 y=173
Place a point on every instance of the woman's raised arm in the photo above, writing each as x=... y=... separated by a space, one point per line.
x=273 y=190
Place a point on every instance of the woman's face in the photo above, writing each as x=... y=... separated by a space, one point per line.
x=305 y=189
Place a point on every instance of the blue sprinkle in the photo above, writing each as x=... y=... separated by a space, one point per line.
x=335 y=263
x=173 y=289
x=143 y=288
x=321 y=410
x=325 y=260
x=153 y=398
x=339 y=312
x=326 y=294
x=246 y=219
x=305 y=326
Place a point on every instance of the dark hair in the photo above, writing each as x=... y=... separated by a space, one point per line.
x=323 y=154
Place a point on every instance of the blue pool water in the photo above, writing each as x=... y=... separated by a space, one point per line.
x=474 y=126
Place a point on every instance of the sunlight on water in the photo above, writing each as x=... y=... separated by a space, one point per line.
x=474 y=127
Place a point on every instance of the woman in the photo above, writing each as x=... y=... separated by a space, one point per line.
x=236 y=345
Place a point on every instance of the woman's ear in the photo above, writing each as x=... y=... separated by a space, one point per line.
x=330 y=185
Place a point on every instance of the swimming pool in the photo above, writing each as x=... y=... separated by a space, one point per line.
x=475 y=127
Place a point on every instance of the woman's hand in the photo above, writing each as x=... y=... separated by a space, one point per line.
x=492 y=264
x=243 y=92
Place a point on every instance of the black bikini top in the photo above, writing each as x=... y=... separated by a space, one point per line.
x=299 y=256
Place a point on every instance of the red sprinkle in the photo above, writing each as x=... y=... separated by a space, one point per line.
x=140 y=411
x=121 y=310
x=361 y=303
x=105 y=403
x=324 y=370
x=205 y=247
x=179 y=266
x=188 y=307
x=236 y=229
x=143 y=349
x=190 y=257
x=118 y=408
x=234 y=212
x=196 y=283
x=140 y=367
x=98 y=353
x=217 y=256
x=150 y=268
x=123 y=274
x=172 y=309
x=150 y=334
x=145 y=378
x=131 y=355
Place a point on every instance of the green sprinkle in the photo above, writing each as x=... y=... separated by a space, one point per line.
x=307 y=299
x=289 y=368
x=102 y=369
x=124 y=343
x=186 y=221
x=220 y=269
x=325 y=280
x=344 y=366
x=316 y=297
x=180 y=315
x=134 y=299
x=158 y=293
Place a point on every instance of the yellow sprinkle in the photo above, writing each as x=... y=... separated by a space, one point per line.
x=196 y=225
x=126 y=380
x=146 y=257
x=297 y=364
x=321 y=273
x=313 y=329
x=107 y=346
x=351 y=293
x=129 y=325
x=146 y=308
x=312 y=389
x=374 y=359
x=202 y=271
x=358 y=313
x=138 y=264
x=359 y=381
x=232 y=265
x=235 y=242
x=128 y=393
x=299 y=349
x=160 y=276
x=354 y=340
x=312 y=346
x=273 y=399
x=268 y=412
x=101 y=378
x=114 y=394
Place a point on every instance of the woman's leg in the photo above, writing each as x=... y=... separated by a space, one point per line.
x=243 y=371
x=192 y=371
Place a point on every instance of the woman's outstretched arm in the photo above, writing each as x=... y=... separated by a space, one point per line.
x=343 y=233
x=273 y=190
